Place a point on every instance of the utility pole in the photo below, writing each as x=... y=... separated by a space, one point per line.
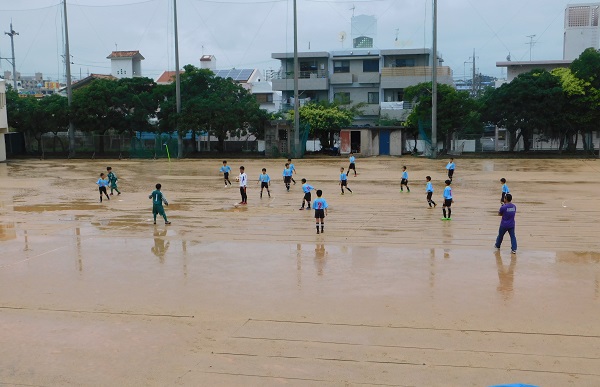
x=434 y=86
x=531 y=44
x=296 y=152
x=178 y=82
x=473 y=87
x=12 y=34
x=71 y=131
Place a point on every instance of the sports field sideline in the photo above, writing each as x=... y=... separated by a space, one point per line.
x=94 y=294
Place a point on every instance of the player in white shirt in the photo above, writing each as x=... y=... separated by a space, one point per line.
x=243 y=179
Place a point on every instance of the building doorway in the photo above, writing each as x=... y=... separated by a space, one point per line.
x=355 y=141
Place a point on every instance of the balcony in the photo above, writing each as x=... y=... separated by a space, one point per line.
x=368 y=78
x=307 y=80
x=341 y=79
x=396 y=110
x=370 y=110
x=402 y=77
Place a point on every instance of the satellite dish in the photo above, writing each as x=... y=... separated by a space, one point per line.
x=342 y=37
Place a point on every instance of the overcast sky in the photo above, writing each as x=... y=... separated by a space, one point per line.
x=244 y=33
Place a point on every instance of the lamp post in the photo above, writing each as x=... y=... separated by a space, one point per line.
x=434 y=86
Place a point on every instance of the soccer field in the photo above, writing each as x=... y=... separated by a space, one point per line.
x=94 y=294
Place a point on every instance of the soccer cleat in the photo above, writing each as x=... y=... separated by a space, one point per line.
x=118 y=193
x=308 y=208
x=434 y=205
x=513 y=251
x=155 y=222
x=111 y=194
x=301 y=208
x=317 y=231
x=496 y=247
x=167 y=222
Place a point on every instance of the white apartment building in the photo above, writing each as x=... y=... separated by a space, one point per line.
x=3 y=120
x=125 y=64
x=372 y=76
x=582 y=29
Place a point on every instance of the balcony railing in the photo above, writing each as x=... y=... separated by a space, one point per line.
x=303 y=75
x=419 y=71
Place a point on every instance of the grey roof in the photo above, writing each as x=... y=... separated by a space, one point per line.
x=290 y=55
x=535 y=63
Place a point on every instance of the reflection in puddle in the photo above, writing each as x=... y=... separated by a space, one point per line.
x=506 y=275
x=7 y=231
x=160 y=245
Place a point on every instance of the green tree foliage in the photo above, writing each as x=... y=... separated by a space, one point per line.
x=34 y=116
x=587 y=67
x=219 y=106
x=457 y=111
x=325 y=118
x=532 y=102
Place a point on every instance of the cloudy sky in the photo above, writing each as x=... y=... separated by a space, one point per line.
x=244 y=33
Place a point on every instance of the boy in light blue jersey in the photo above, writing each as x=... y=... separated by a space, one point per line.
x=404 y=181
x=448 y=201
x=102 y=184
x=265 y=182
x=344 y=180
x=287 y=176
x=429 y=190
x=112 y=179
x=505 y=190
x=293 y=170
x=225 y=169
x=450 y=167
x=306 y=188
x=157 y=203
x=352 y=160
x=320 y=207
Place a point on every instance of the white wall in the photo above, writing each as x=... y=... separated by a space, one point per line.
x=121 y=68
x=3 y=118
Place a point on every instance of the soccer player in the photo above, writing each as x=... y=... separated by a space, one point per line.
x=450 y=167
x=448 y=201
x=505 y=190
x=265 y=182
x=293 y=170
x=306 y=188
x=429 y=190
x=102 y=184
x=344 y=180
x=404 y=181
x=243 y=179
x=507 y=212
x=112 y=179
x=157 y=203
x=287 y=176
x=352 y=165
x=320 y=207
x=225 y=169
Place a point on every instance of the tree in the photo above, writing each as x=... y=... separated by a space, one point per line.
x=325 y=119
x=587 y=67
x=456 y=110
x=216 y=105
x=124 y=106
x=532 y=101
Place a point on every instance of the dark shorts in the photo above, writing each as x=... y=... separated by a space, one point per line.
x=404 y=182
x=264 y=185
x=429 y=195
x=352 y=166
x=226 y=175
x=287 y=179
x=158 y=209
x=307 y=197
x=447 y=202
x=450 y=172
x=344 y=183
x=102 y=190
x=319 y=214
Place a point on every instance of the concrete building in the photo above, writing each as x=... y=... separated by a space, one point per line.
x=514 y=69
x=125 y=64
x=3 y=120
x=582 y=29
x=374 y=77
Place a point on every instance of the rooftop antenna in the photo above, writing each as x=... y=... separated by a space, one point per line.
x=397 y=32
x=12 y=34
x=116 y=47
x=353 y=8
x=531 y=44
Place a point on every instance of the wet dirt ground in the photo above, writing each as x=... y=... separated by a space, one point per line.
x=94 y=294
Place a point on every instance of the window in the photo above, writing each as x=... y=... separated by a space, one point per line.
x=373 y=98
x=341 y=66
x=308 y=66
x=342 y=98
x=371 y=65
x=405 y=63
x=269 y=97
